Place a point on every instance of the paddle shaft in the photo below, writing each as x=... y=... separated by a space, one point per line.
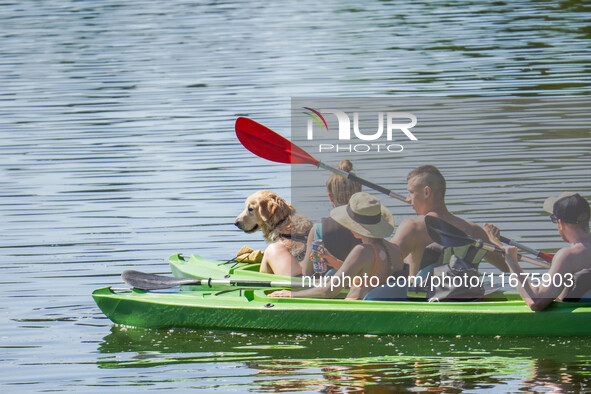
x=508 y=241
x=545 y=256
x=492 y=248
x=145 y=281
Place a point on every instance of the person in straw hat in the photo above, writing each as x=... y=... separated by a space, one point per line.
x=570 y=272
x=368 y=264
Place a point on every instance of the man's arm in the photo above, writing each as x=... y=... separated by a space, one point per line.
x=538 y=297
x=406 y=238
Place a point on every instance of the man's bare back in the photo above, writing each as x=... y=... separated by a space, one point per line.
x=412 y=237
x=426 y=193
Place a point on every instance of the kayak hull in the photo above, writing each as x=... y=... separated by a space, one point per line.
x=254 y=310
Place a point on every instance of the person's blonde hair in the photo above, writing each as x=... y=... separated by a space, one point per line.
x=340 y=188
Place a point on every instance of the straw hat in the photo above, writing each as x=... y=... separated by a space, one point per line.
x=365 y=215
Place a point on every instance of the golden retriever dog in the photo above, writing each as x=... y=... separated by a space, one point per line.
x=285 y=229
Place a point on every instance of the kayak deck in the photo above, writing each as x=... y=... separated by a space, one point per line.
x=254 y=310
x=198 y=267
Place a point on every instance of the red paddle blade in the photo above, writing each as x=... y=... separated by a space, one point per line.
x=546 y=256
x=269 y=145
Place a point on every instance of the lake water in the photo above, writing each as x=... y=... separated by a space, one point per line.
x=118 y=150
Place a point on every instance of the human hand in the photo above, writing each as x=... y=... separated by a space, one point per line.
x=493 y=233
x=280 y=293
x=332 y=261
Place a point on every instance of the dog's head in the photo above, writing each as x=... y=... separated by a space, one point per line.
x=264 y=210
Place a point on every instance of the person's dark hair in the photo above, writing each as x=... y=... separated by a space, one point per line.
x=340 y=188
x=429 y=175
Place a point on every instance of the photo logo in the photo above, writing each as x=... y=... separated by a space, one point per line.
x=318 y=115
x=396 y=123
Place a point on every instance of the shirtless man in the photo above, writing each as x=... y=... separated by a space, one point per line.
x=570 y=212
x=426 y=194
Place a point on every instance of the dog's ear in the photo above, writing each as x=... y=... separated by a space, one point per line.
x=274 y=209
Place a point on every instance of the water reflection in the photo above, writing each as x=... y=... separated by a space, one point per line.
x=327 y=363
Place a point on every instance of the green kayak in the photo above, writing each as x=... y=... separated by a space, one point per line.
x=197 y=267
x=239 y=309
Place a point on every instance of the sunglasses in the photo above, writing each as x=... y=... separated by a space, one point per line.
x=554 y=218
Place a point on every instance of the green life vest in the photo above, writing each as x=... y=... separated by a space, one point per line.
x=470 y=254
